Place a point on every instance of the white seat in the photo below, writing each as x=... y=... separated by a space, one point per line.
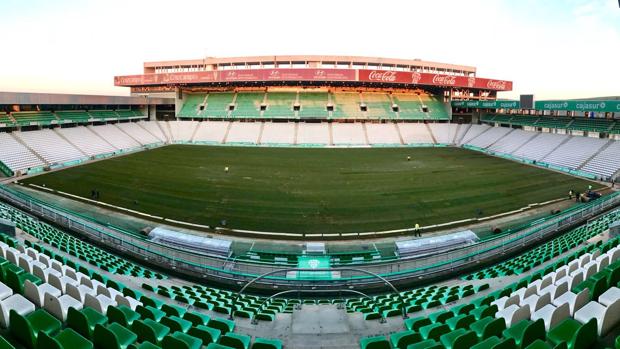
x=5 y=291
x=552 y=315
x=108 y=291
x=45 y=260
x=602 y=262
x=80 y=292
x=560 y=273
x=94 y=284
x=575 y=280
x=36 y=293
x=70 y=272
x=12 y=255
x=573 y=265
x=606 y=317
x=61 y=282
x=554 y=291
x=590 y=269
x=56 y=265
x=536 y=302
x=514 y=314
x=585 y=259
x=615 y=254
x=610 y=296
x=575 y=301
x=83 y=279
x=59 y=306
x=44 y=274
x=100 y=303
x=34 y=254
x=15 y=302
x=525 y=292
x=24 y=261
x=546 y=281
x=506 y=301
x=128 y=301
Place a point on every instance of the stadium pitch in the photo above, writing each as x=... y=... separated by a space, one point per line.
x=312 y=190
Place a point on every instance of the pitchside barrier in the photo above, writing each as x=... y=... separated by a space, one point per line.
x=412 y=270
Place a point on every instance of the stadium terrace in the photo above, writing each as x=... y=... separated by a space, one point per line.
x=276 y=202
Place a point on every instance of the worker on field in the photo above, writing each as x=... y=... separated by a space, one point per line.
x=570 y=194
x=590 y=187
x=416 y=231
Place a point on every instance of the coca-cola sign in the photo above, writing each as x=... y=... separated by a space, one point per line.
x=444 y=80
x=415 y=77
x=383 y=76
x=496 y=84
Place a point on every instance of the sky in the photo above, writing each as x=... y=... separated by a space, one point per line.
x=554 y=49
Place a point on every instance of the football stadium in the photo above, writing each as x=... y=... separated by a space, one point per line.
x=309 y=201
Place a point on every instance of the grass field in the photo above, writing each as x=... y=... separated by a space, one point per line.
x=312 y=190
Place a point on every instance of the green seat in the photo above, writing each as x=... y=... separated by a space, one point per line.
x=460 y=321
x=237 y=341
x=434 y=331
x=459 y=339
x=265 y=343
x=153 y=302
x=15 y=280
x=426 y=344
x=488 y=326
x=84 y=321
x=576 y=335
x=150 y=330
x=463 y=309
x=180 y=340
x=67 y=339
x=144 y=345
x=441 y=316
x=4 y=344
x=123 y=315
x=377 y=342
x=496 y=343
x=404 y=338
x=176 y=324
x=205 y=333
x=197 y=318
x=484 y=311
x=415 y=323
x=217 y=346
x=173 y=310
x=526 y=332
x=114 y=336
x=223 y=325
x=26 y=329
x=150 y=312
x=538 y=344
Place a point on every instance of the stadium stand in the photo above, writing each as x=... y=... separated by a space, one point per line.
x=154 y=129
x=415 y=133
x=34 y=118
x=280 y=105
x=182 y=131
x=575 y=151
x=379 y=106
x=512 y=141
x=6 y=120
x=103 y=114
x=348 y=134
x=16 y=155
x=436 y=108
x=191 y=106
x=114 y=136
x=313 y=105
x=606 y=163
x=383 y=134
x=83 y=138
x=247 y=105
x=485 y=139
x=473 y=132
x=211 y=131
x=278 y=133
x=346 y=105
x=217 y=104
x=244 y=132
x=313 y=134
x=443 y=133
x=409 y=106
x=51 y=146
x=69 y=116
x=136 y=132
x=540 y=146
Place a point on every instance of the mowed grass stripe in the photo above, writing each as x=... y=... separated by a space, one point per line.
x=313 y=190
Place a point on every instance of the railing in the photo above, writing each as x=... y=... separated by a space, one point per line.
x=234 y=272
x=6 y=170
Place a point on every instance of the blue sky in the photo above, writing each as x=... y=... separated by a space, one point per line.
x=554 y=48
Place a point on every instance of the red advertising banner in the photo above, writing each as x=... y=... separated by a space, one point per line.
x=363 y=75
x=415 y=78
